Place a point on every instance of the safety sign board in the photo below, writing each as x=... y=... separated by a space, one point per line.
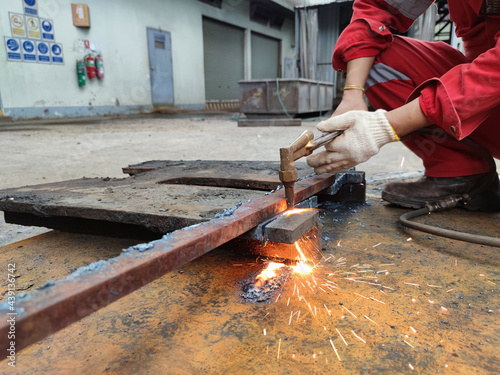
x=81 y=15
x=33 y=27
x=30 y=7
x=57 y=53
x=13 y=47
x=17 y=25
x=28 y=50
x=47 y=29
x=43 y=52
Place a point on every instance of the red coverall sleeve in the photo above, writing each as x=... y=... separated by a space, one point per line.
x=368 y=33
x=465 y=96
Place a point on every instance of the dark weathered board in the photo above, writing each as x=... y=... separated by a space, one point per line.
x=159 y=197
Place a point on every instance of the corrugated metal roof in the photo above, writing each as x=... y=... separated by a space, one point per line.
x=308 y=3
x=291 y=4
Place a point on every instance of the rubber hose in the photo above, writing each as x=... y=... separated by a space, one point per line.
x=481 y=240
x=405 y=218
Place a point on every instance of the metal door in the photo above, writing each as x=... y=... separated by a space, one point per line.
x=223 y=59
x=160 y=66
x=265 y=57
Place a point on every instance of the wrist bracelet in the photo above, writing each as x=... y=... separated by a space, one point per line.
x=354 y=87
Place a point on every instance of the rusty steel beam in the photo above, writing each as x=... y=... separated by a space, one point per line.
x=58 y=304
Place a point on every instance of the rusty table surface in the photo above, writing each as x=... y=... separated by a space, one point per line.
x=403 y=301
x=170 y=196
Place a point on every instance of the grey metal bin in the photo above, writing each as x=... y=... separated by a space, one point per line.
x=259 y=98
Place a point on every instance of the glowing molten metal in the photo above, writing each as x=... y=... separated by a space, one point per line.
x=267 y=274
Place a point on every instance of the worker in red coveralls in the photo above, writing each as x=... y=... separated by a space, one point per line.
x=443 y=105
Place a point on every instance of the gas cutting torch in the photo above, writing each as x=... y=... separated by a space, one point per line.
x=304 y=145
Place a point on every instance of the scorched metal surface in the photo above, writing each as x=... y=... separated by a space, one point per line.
x=440 y=315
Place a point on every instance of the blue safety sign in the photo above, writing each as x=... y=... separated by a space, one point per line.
x=13 y=47
x=30 y=7
x=47 y=28
x=28 y=50
x=43 y=52
x=57 y=53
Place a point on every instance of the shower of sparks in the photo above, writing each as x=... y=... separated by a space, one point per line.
x=358 y=336
x=411 y=284
x=409 y=344
x=335 y=349
x=370 y=320
x=349 y=311
x=342 y=337
x=327 y=310
x=311 y=279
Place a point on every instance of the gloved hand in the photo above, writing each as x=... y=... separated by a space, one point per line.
x=364 y=134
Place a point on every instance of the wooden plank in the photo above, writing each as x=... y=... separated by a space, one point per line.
x=90 y=288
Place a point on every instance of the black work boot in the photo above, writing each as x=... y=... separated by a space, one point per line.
x=482 y=191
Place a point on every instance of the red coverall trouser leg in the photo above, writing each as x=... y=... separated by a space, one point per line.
x=402 y=67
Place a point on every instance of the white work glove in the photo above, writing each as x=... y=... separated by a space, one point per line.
x=364 y=134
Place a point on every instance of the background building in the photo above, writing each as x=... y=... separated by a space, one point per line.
x=156 y=53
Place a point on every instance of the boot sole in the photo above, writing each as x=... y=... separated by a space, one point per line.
x=410 y=203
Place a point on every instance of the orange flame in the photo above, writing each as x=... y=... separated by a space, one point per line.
x=301 y=267
x=296 y=211
x=267 y=273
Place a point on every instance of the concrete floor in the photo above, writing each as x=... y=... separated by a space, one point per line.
x=205 y=327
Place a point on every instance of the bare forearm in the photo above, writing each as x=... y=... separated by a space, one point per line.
x=358 y=70
x=357 y=74
x=407 y=118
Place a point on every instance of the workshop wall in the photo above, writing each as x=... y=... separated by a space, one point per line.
x=118 y=32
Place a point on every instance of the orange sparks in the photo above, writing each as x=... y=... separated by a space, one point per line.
x=335 y=349
x=342 y=337
x=301 y=267
x=358 y=337
x=301 y=253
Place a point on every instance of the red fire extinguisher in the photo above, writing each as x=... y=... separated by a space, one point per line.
x=90 y=63
x=99 y=66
